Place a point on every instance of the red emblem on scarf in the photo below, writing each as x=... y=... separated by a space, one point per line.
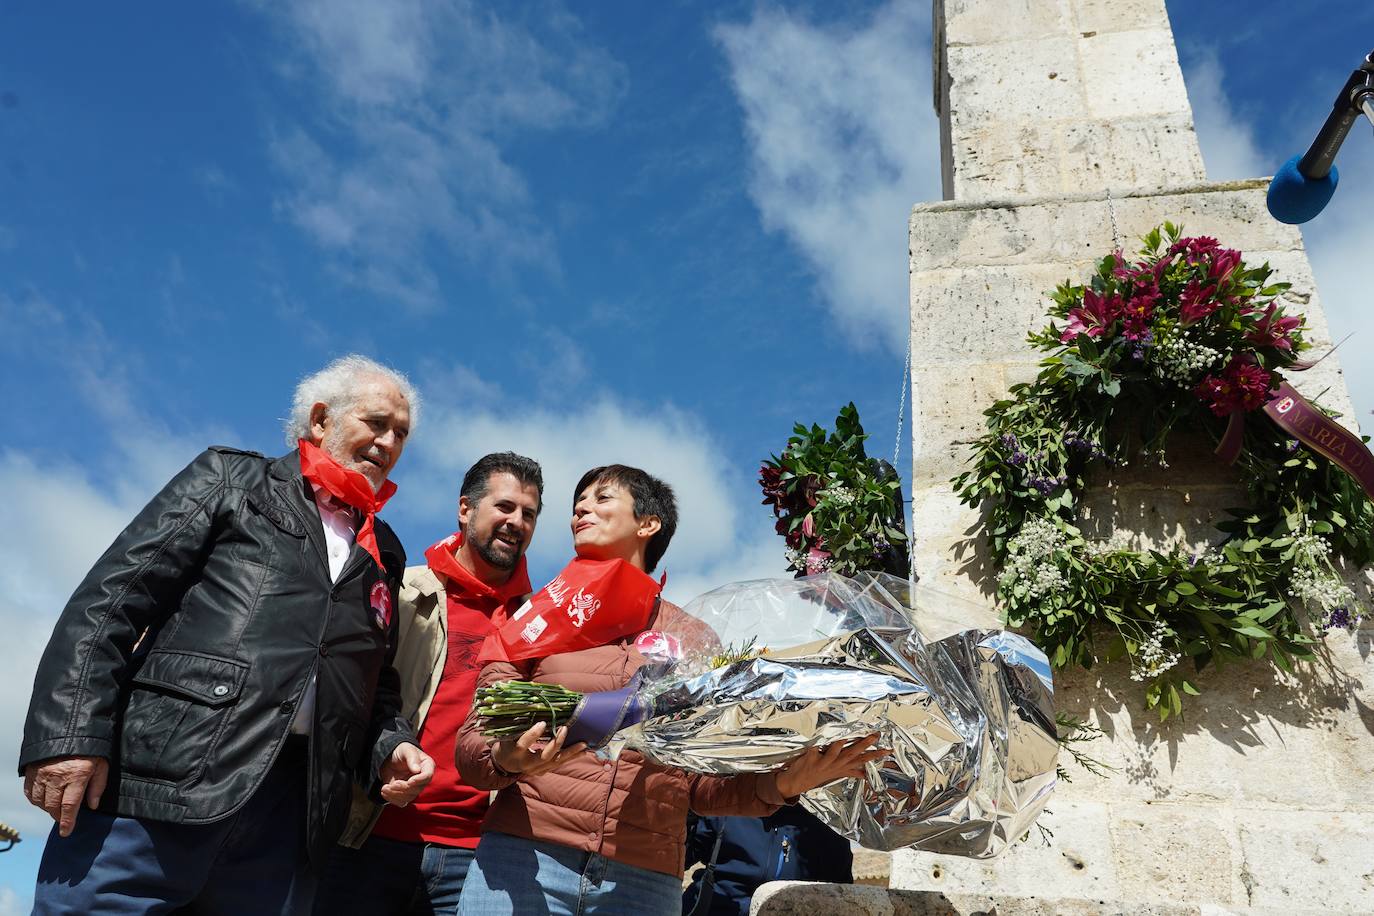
x=590 y=603
x=381 y=604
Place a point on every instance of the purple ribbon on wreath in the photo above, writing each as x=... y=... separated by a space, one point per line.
x=1297 y=416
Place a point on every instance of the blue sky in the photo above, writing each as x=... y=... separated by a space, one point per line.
x=654 y=233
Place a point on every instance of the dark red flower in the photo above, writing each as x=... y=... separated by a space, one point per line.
x=1242 y=385
x=1094 y=318
x=1223 y=262
x=774 y=492
x=1195 y=248
x=1273 y=329
x=1196 y=302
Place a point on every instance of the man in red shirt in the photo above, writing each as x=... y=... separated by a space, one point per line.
x=412 y=860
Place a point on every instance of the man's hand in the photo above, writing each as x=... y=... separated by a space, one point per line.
x=57 y=786
x=522 y=758
x=819 y=766
x=405 y=774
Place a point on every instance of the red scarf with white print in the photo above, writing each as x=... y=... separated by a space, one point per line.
x=350 y=487
x=590 y=603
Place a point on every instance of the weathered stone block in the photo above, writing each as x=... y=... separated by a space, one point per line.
x=1040 y=233
x=998 y=307
x=1132 y=75
x=1076 y=862
x=1118 y=15
x=1128 y=153
x=1043 y=85
x=969 y=23
x=1078 y=228
x=1234 y=213
x=1182 y=852
x=1308 y=861
x=953 y=398
x=1021 y=157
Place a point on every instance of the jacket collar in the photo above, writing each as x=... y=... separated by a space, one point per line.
x=295 y=491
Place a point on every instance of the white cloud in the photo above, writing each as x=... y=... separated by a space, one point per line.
x=844 y=142
x=12 y=904
x=416 y=100
x=1229 y=148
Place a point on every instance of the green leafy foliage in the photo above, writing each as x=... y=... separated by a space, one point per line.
x=836 y=507
x=1269 y=587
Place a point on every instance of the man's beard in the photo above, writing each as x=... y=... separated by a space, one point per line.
x=335 y=448
x=487 y=550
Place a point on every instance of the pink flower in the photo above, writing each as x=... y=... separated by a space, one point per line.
x=1273 y=330
x=1196 y=302
x=1127 y=272
x=1223 y=262
x=1242 y=385
x=808 y=525
x=1094 y=318
x=1196 y=248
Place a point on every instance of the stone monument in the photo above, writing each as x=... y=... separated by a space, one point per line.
x=1065 y=130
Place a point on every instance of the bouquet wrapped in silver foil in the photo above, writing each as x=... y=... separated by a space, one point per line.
x=965 y=707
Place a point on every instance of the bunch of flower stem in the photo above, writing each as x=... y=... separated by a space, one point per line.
x=513 y=707
x=729 y=655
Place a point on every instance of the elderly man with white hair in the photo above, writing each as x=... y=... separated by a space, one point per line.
x=224 y=672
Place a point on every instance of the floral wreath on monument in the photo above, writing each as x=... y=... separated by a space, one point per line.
x=1184 y=336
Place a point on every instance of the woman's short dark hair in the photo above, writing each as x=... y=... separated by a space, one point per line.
x=652 y=497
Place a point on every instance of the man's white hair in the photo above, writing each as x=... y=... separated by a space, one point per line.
x=336 y=386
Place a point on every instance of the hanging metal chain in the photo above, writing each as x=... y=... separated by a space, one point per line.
x=901 y=405
x=1111 y=212
x=909 y=513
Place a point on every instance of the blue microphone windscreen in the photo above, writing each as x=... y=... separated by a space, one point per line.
x=1295 y=198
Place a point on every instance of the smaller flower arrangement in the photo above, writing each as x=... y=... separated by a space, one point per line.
x=836 y=507
x=1185 y=335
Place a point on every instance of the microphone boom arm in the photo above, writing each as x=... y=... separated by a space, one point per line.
x=1356 y=95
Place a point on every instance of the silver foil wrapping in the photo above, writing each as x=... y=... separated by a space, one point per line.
x=966 y=709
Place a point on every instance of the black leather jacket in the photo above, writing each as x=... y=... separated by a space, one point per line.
x=183 y=654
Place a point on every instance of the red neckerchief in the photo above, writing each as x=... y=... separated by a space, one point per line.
x=350 y=487
x=441 y=560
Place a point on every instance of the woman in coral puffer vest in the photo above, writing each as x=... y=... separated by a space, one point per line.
x=568 y=833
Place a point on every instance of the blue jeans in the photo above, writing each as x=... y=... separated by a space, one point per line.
x=512 y=875
x=386 y=877
x=251 y=862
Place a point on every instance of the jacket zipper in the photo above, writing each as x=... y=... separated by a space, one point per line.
x=783 y=855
